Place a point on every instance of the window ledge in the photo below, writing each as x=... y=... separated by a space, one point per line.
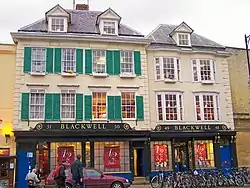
x=129 y=119
x=69 y=74
x=207 y=82
x=167 y=80
x=37 y=73
x=100 y=74
x=127 y=75
x=100 y=120
x=68 y=120
x=36 y=119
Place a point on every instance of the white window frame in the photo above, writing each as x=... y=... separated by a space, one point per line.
x=132 y=63
x=216 y=101
x=180 y=116
x=106 y=23
x=37 y=91
x=51 y=29
x=100 y=91
x=100 y=63
x=177 y=72
x=34 y=60
x=67 y=91
x=188 y=39
x=135 y=105
x=73 y=60
x=198 y=65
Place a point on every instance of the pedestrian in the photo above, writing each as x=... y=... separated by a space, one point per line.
x=77 y=172
x=32 y=179
x=59 y=175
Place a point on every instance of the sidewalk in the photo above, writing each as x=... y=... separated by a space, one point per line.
x=148 y=186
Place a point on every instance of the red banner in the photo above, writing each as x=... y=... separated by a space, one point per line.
x=201 y=151
x=112 y=157
x=160 y=153
x=66 y=153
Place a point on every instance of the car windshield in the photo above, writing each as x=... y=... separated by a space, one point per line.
x=92 y=173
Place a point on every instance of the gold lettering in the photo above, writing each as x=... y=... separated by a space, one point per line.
x=72 y=126
x=208 y=127
x=94 y=126
x=67 y=126
x=77 y=126
x=197 y=127
x=192 y=127
x=176 y=128
x=83 y=126
x=103 y=126
x=180 y=128
x=188 y=127
x=62 y=126
x=89 y=126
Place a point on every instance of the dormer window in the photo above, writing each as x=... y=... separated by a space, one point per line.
x=109 y=27
x=57 y=25
x=184 y=39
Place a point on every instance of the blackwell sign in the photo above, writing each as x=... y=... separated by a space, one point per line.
x=82 y=127
x=192 y=128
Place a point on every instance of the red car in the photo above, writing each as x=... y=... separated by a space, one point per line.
x=93 y=179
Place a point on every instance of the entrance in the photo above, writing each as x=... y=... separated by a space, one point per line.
x=139 y=162
x=225 y=157
x=183 y=156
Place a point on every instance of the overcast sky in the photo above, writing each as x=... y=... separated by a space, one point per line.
x=223 y=21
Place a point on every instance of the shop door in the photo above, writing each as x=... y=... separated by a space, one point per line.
x=181 y=156
x=225 y=157
x=139 y=169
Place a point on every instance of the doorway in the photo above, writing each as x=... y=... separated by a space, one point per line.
x=181 y=156
x=139 y=162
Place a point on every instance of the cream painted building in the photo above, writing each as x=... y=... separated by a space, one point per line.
x=81 y=88
x=190 y=98
x=7 y=140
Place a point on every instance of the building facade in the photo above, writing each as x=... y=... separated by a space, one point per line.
x=7 y=140
x=239 y=80
x=190 y=100
x=81 y=88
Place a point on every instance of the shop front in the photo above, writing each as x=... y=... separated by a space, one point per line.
x=186 y=147
x=114 y=148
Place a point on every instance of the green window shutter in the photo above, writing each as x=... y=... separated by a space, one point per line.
x=58 y=60
x=49 y=60
x=88 y=61
x=27 y=59
x=48 y=106
x=56 y=106
x=139 y=108
x=109 y=62
x=88 y=107
x=117 y=62
x=111 y=109
x=137 y=62
x=118 y=108
x=25 y=106
x=79 y=61
x=79 y=106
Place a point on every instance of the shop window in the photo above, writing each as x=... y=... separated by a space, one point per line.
x=42 y=158
x=99 y=105
x=112 y=156
x=128 y=105
x=4 y=167
x=161 y=155
x=87 y=154
x=204 y=154
x=64 y=151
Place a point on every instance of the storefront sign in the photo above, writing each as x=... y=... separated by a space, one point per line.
x=112 y=157
x=192 y=128
x=83 y=126
x=4 y=152
x=66 y=153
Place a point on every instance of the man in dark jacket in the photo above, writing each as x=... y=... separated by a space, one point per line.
x=61 y=177
x=77 y=172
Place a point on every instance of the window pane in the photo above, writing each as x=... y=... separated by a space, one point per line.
x=169 y=68
x=195 y=70
x=127 y=64
x=68 y=105
x=205 y=70
x=159 y=107
x=171 y=108
x=38 y=60
x=57 y=24
x=183 y=39
x=208 y=107
x=128 y=105
x=37 y=105
x=198 y=107
x=99 y=109
x=109 y=27
x=99 y=61
x=157 y=69
x=68 y=60
x=204 y=154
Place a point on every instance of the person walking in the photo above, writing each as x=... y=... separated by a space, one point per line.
x=77 y=172
x=32 y=179
x=59 y=175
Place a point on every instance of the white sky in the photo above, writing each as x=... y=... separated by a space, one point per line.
x=223 y=21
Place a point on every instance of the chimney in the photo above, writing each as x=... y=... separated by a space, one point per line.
x=82 y=7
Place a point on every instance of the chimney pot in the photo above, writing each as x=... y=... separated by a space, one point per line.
x=82 y=7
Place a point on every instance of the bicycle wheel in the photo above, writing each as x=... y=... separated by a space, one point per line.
x=155 y=182
x=239 y=181
x=220 y=181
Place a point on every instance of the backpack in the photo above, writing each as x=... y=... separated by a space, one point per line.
x=56 y=172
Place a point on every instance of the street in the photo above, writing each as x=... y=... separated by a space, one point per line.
x=148 y=186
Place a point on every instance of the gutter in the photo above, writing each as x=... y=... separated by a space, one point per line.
x=79 y=37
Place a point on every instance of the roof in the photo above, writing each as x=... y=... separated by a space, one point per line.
x=161 y=35
x=83 y=22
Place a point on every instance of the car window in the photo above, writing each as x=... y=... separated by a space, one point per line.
x=92 y=173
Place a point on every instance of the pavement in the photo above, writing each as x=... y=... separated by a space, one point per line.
x=148 y=186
